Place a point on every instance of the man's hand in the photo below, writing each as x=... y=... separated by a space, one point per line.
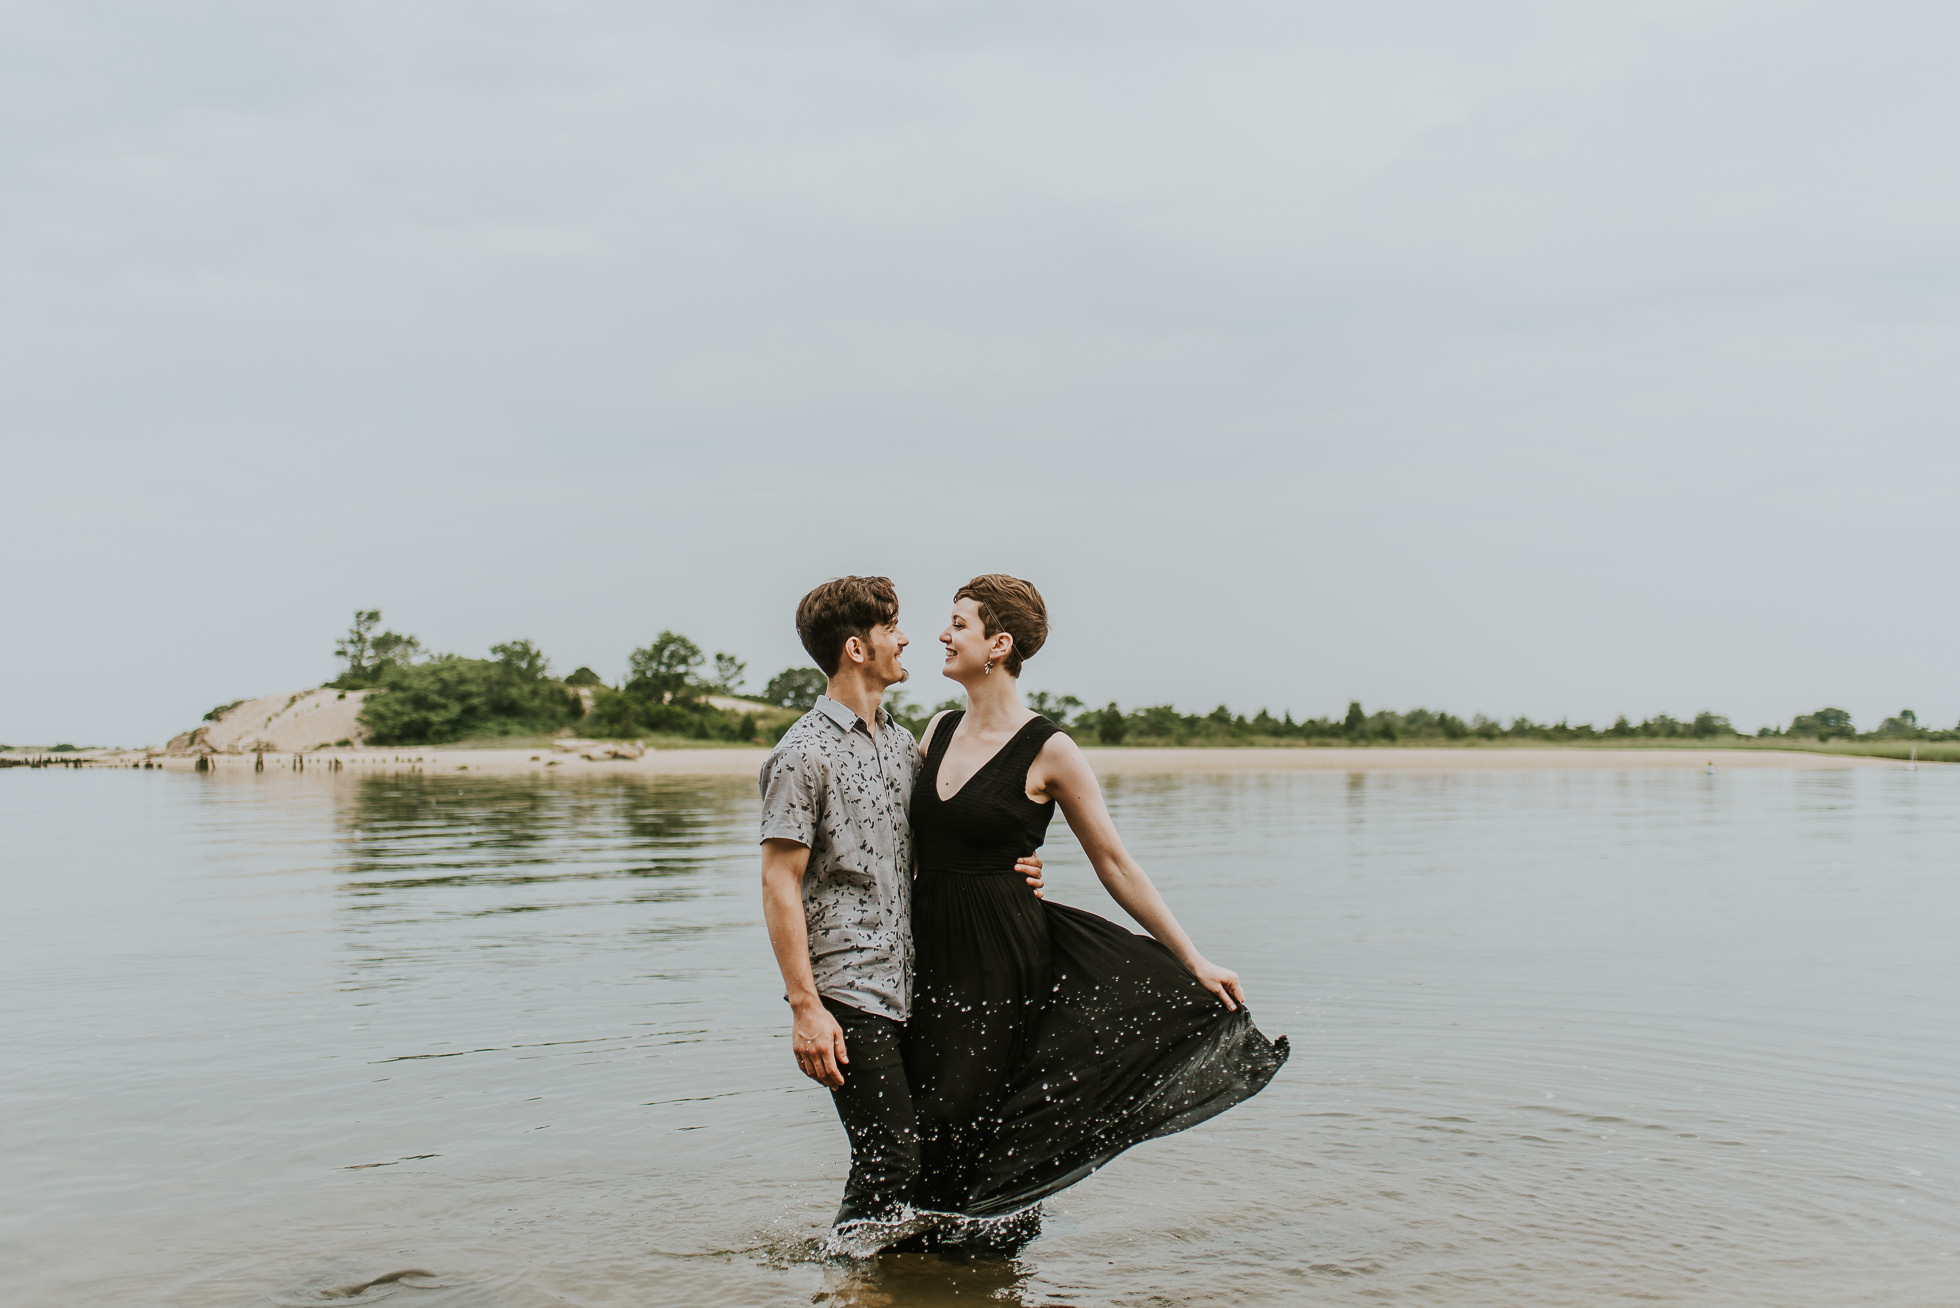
x=819 y=1044
x=1029 y=866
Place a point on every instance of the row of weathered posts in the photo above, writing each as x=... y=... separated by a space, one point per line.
x=203 y=762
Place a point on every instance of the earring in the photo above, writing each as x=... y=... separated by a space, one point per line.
x=988 y=671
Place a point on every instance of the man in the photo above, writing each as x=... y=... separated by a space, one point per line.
x=837 y=886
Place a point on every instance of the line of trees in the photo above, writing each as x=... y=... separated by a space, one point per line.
x=1163 y=724
x=433 y=699
x=439 y=698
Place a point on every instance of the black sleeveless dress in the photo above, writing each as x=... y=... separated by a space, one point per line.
x=1044 y=1040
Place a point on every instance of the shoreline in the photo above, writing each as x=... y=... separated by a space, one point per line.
x=1106 y=760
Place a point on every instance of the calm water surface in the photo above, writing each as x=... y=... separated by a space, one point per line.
x=1560 y=1038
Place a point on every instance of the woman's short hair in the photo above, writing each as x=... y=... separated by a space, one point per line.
x=1011 y=605
x=840 y=609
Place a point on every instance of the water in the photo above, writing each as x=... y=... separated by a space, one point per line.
x=1561 y=1038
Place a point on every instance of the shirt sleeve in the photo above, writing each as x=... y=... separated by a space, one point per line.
x=792 y=798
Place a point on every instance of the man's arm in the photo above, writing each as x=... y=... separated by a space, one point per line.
x=814 y=1034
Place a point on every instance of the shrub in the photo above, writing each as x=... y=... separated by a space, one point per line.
x=449 y=698
x=614 y=715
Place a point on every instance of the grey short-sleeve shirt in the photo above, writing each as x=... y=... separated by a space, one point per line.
x=841 y=787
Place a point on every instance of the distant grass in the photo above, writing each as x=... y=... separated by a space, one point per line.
x=1930 y=751
x=652 y=740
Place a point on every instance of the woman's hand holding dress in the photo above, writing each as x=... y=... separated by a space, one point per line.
x=1221 y=981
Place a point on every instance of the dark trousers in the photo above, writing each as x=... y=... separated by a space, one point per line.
x=875 y=1106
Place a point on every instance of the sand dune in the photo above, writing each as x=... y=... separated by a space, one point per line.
x=297 y=720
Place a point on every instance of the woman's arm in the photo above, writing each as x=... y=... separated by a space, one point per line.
x=1062 y=773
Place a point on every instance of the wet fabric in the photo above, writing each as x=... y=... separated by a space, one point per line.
x=1044 y=1040
x=875 y=1105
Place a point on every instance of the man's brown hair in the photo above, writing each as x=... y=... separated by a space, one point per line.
x=840 y=609
x=1011 y=605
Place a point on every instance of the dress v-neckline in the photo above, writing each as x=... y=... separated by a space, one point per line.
x=991 y=758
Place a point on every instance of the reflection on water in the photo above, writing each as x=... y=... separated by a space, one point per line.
x=1563 y=1038
x=922 y=1280
x=417 y=852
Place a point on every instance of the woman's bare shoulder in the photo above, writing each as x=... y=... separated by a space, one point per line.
x=925 y=737
x=1058 y=756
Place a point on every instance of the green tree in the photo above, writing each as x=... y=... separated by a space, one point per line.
x=1056 y=708
x=1708 y=724
x=584 y=676
x=522 y=659
x=665 y=671
x=356 y=648
x=1355 y=724
x=1111 y=726
x=795 y=688
x=369 y=654
x=1824 y=724
x=392 y=649
x=730 y=672
x=1905 y=724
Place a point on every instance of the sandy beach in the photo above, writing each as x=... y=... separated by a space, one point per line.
x=1106 y=761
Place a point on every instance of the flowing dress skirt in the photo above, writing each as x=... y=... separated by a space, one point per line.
x=1045 y=1041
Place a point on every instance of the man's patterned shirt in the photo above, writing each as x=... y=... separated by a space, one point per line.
x=842 y=788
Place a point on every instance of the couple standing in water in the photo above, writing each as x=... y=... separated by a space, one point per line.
x=985 y=1047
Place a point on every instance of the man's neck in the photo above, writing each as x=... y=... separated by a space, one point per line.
x=860 y=695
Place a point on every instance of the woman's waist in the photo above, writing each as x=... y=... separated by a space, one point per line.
x=965 y=871
x=935 y=894
x=993 y=857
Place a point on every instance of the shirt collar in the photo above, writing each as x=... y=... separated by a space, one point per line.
x=845 y=717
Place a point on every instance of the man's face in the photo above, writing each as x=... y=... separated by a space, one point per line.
x=886 y=646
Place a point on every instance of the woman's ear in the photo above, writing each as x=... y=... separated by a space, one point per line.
x=1002 y=643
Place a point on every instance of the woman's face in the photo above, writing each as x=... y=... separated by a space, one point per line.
x=967 y=645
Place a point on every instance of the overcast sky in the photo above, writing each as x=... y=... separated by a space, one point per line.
x=1554 y=359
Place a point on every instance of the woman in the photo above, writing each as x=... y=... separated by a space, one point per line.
x=1044 y=1040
